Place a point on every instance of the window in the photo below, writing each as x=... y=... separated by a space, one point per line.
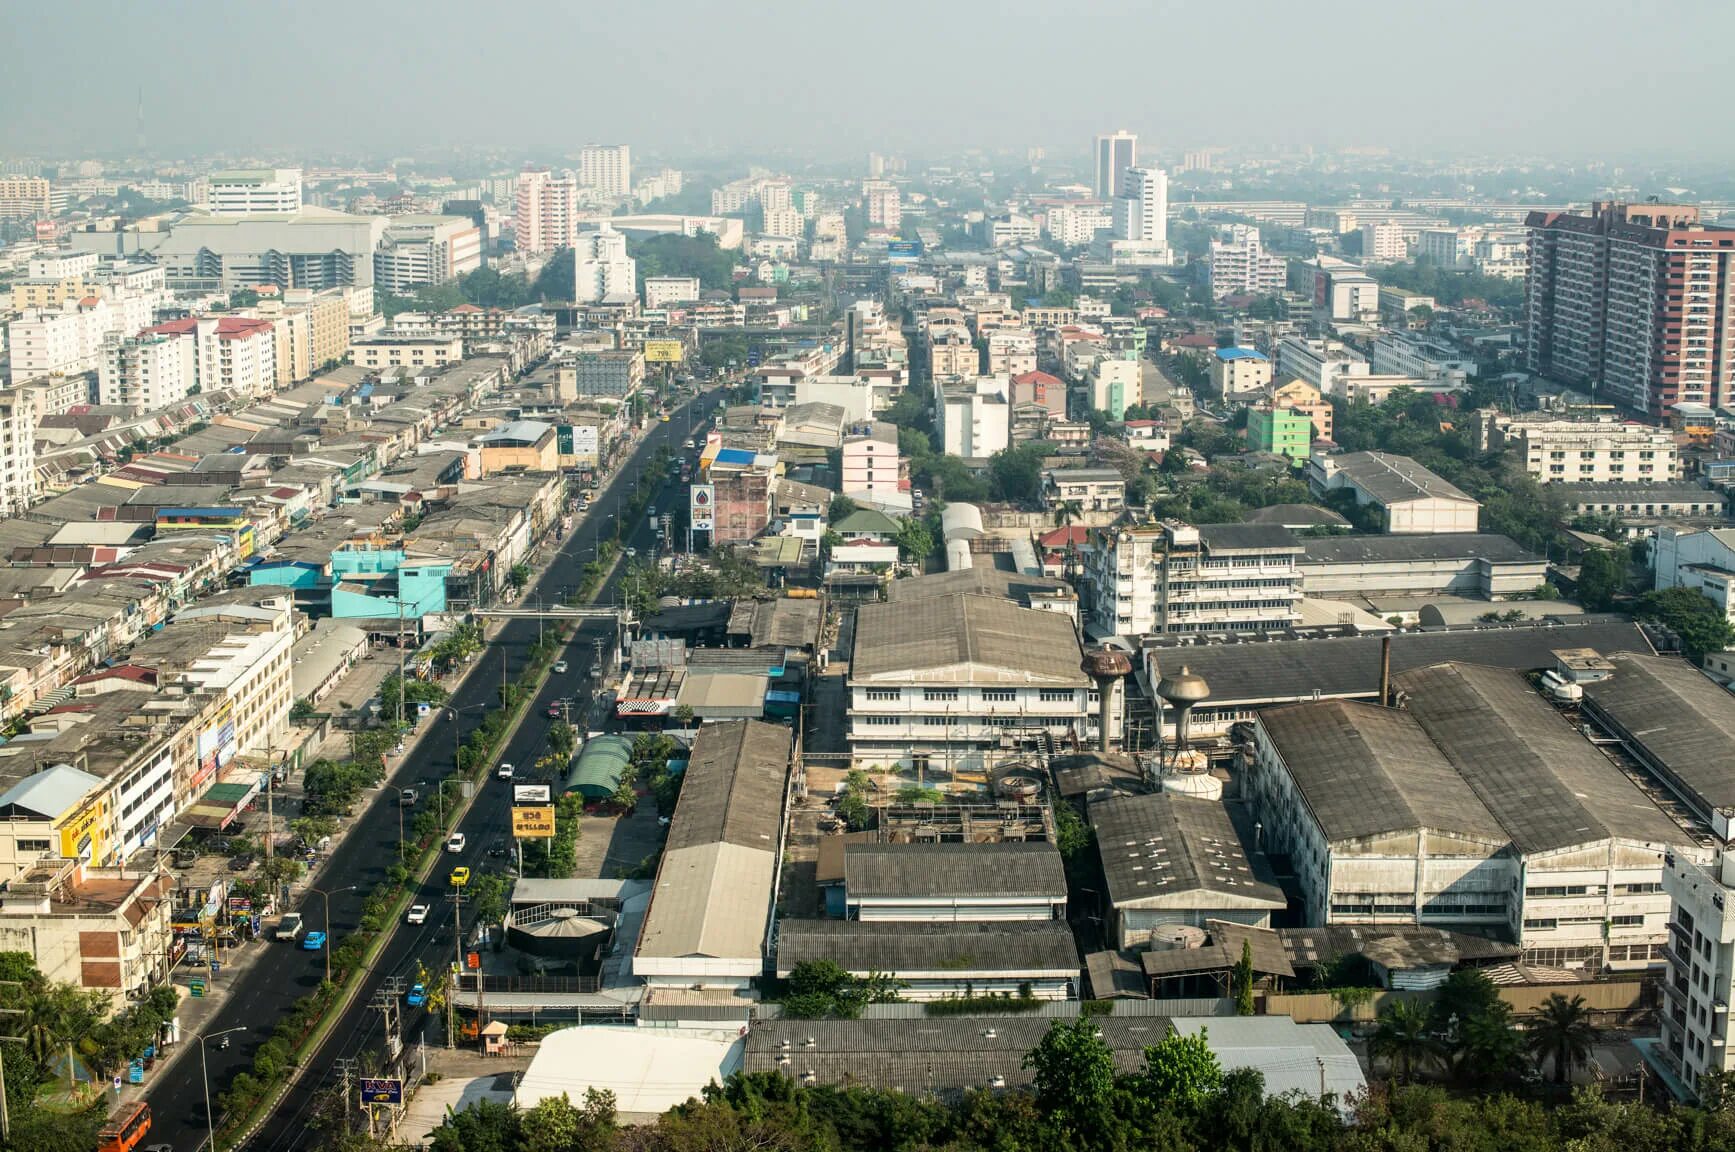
x=1058 y=696
x=1627 y=921
x=1000 y=695
x=884 y=693
x=34 y=845
x=1539 y=924
x=882 y=721
x=939 y=694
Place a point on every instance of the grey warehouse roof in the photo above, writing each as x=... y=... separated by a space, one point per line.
x=977 y=580
x=1368 y=771
x=966 y=639
x=895 y=946
x=1016 y=868
x=1436 y=546
x=1167 y=845
x=733 y=791
x=1546 y=784
x=1679 y=718
x=1248 y=538
x=1393 y=479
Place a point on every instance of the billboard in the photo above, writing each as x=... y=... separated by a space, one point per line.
x=381 y=1090
x=530 y=794
x=904 y=250
x=664 y=351
x=702 y=508
x=533 y=823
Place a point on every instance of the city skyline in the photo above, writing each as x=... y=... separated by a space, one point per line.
x=1417 y=85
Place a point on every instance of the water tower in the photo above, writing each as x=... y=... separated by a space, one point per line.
x=1105 y=666
x=1182 y=692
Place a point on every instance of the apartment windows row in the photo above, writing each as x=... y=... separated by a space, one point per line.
x=953 y=695
x=959 y=722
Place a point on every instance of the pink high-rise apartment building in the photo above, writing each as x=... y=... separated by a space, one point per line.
x=545 y=216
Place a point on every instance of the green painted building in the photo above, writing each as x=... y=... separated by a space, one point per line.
x=1281 y=431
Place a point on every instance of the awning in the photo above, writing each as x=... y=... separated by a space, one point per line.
x=220 y=804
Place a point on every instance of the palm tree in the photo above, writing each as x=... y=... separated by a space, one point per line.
x=1487 y=1047
x=1562 y=1032
x=1402 y=1038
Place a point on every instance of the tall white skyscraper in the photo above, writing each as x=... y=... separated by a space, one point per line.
x=1142 y=209
x=607 y=168
x=884 y=204
x=602 y=266
x=1115 y=153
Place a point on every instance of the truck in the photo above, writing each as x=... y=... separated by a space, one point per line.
x=289 y=927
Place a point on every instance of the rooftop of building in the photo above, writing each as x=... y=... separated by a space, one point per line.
x=1391 y=479
x=897 y=946
x=1486 y=546
x=927 y=870
x=736 y=772
x=1366 y=771
x=1682 y=720
x=960 y=639
x=1631 y=493
x=1241 y=354
x=978 y=580
x=1161 y=846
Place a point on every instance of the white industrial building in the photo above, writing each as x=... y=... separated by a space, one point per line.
x=1702 y=559
x=928 y=881
x=314 y=248
x=1185 y=579
x=1569 y=449
x=1410 y=498
x=1475 y=564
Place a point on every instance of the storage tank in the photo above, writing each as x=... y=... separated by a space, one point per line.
x=1176 y=937
x=1192 y=780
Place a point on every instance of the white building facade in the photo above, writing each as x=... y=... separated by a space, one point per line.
x=602 y=267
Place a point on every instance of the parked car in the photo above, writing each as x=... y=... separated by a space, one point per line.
x=504 y=772
x=418 y=914
x=418 y=995
x=460 y=876
x=313 y=942
x=408 y=797
x=455 y=842
x=560 y=667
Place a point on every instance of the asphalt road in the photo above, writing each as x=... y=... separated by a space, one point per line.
x=269 y=989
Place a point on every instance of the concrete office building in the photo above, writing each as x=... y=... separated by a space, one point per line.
x=1279 y=431
x=1114 y=153
x=25 y=198
x=314 y=248
x=1383 y=243
x=602 y=267
x=884 y=204
x=1632 y=301
x=975 y=419
x=545 y=212
x=18 y=418
x=1237 y=373
x=1175 y=578
x=1702 y=559
x=1141 y=233
x=1595 y=450
x=607 y=168
x=1240 y=266
x=1077 y=225
x=425 y=250
x=145 y=373
x=662 y=291
x=251 y=192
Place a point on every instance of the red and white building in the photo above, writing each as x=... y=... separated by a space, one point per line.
x=545 y=215
x=232 y=353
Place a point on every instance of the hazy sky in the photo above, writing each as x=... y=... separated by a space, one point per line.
x=1593 y=78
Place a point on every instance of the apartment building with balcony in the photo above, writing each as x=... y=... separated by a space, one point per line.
x=1632 y=301
x=1585 y=450
x=1175 y=578
x=1699 y=980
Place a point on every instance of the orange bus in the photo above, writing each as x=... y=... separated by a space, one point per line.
x=125 y=1129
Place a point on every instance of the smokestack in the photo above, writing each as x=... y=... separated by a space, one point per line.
x=1385 y=671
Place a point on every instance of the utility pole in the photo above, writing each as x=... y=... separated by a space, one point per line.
x=456 y=896
x=346 y=1069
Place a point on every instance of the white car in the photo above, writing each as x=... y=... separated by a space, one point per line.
x=504 y=772
x=560 y=667
x=455 y=843
x=418 y=914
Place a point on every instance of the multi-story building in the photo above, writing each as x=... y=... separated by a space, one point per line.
x=545 y=212
x=1694 y=1039
x=145 y=373
x=775 y=196
x=1237 y=373
x=1417 y=356
x=1115 y=385
x=1383 y=243
x=662 y=291
x=785 y=222
x=884 y=204
x=425 y=250
x=1077 y=225
x=314 y=248
x=1279 y=431
x=1319 y=363
x=975 y=419
x=659 y=185
x=99 y=929
x=1446 y=247
x=18 y=417
x=873 y=472
x=1011 y=351
x=232 y=353
x=429 y=351
x=607 y=168
x=1304 y=397
x=1175 y=578
x=1042 y=389
x=612 y=372
x=1702 y=559
x=55 y=279
x=1240 y=266
x=1115 y=152
x=602 y=267
x=1141 y=229
x=1342 y=292
x=254 y=191
x=63 y=341
x=25 y=198
x=1594 y=449
x=1633 y=301
x=953 y=683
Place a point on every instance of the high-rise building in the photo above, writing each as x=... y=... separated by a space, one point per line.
x=1240 y=266
x=607 y=168
x=884 y=205
x=1176 y=578
x=1142 y=208
x=23 y=197
x=1115 y=153
x=255 y=190
x=145 y=373
x=602 y=267
x=18 y=416
x=545 y=215
x=418 y=250
x=1383 y=243
x=1635 y=302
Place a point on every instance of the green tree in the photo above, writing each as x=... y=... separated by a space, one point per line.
x=1016 y=472
x=1695 y=618
x=1402 y=1038
x=487 y=897
x=674 y=255
x=841 y=508
x=1562 y=1033
x=822 y=988
x=1244 y=980
x=1183 y=1071
x=1602 y=575
x=556 y=280
x=1074 y=1076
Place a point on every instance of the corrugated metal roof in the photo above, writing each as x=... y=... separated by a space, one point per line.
x=893 y=946
x=1684 y=721
x=1011 y=869
x=1165 y=848
x=966 y=640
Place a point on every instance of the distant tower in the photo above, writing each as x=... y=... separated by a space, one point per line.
x=1181 y=692
x=1106 y=666
x=141 y=119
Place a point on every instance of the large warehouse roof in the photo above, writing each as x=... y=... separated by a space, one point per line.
x=964 y=640
x=1678 y=719
x=1010 y=868
x=1160 y=849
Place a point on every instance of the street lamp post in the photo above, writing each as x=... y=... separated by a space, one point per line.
x=205 y=1075
x=326 y=896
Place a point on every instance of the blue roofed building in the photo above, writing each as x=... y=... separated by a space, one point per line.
x=1239 y=373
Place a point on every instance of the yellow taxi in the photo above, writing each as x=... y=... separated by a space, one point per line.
x=460 y=877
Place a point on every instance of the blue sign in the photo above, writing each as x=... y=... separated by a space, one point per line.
x=904 y=250
x=136 y=1072
x=376 y=1090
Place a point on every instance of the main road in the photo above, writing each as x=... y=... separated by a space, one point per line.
x=269 y=988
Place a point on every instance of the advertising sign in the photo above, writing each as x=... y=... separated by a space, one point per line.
x=702 y=508
x=904 y=250
x=533 y=823
x=531 y=794
x=664 y=351
x=381 y=1090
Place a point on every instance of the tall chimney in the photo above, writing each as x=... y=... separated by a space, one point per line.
x=1385 y=670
